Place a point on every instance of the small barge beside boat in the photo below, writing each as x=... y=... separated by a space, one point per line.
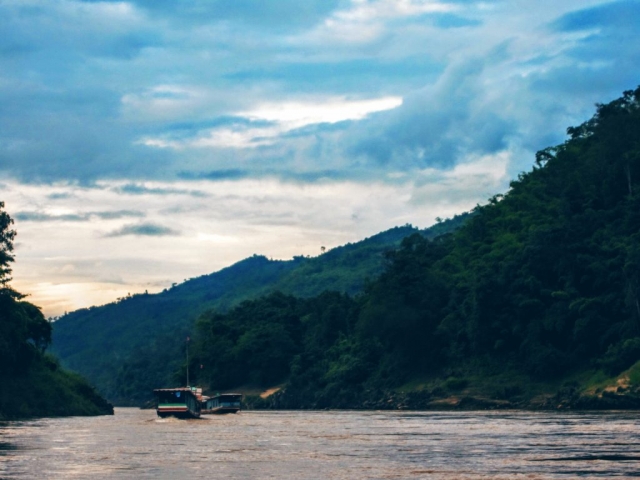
x=182 y=402
x=222 y=403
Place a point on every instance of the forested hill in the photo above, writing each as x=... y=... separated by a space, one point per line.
x=131 y=346
x=535 y=300
x=32 y=382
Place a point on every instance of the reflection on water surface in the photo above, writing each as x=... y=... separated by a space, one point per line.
x=335 y=445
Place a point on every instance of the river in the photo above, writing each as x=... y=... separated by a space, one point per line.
x=324 y=445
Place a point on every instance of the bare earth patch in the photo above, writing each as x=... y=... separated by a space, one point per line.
x=445 y=402
x=623 y=381
x=269 y=392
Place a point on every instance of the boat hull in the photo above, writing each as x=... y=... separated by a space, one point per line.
x=178 y=412
x=220 y=410
x=177 y=402
x=222 y=403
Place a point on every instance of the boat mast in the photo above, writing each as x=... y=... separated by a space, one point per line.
x=187 y=361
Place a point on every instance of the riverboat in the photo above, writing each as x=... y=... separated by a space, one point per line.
x=182 y=402
x=222 y=403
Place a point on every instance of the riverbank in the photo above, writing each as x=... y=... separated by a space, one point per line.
x=471 y=388
x=46 y=390
x=569 y=398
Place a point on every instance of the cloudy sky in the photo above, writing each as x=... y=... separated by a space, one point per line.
x=144 y=142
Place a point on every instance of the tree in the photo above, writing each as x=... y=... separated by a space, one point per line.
x=32 y=382
x=22 y=324
x=6 y=246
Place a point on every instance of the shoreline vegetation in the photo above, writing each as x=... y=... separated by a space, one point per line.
x=33 y=384
x=566 y=399
x=588 y=391
x=532 y=301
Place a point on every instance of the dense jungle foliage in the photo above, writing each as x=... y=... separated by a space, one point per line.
x=544 y=281
x=32 y=384
x=129 y=347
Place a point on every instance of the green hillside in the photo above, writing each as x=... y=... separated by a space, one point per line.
x=534 y=301
x=131 y=346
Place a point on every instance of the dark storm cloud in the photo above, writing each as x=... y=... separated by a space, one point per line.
x=137 y=189
x=144 y=229
x=77 y=217
x=216 y=175
x=59 y=196
x=309 y=176
x=117 y=214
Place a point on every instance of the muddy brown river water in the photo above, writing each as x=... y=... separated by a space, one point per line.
x=325 y=445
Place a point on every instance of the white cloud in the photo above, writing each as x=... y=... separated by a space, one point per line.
x=328 y=110
x=368 y=10
x=283 y=117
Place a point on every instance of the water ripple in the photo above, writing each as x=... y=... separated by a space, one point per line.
x=333 y=445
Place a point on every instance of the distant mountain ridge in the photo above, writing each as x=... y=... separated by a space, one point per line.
x=99 y=342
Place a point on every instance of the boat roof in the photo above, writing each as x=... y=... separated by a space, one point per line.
x=181 y=389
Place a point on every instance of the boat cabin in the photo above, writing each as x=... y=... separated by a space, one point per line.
x=222 y=403
x=177 y=402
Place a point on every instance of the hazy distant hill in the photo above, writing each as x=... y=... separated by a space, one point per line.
x=142 y=335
